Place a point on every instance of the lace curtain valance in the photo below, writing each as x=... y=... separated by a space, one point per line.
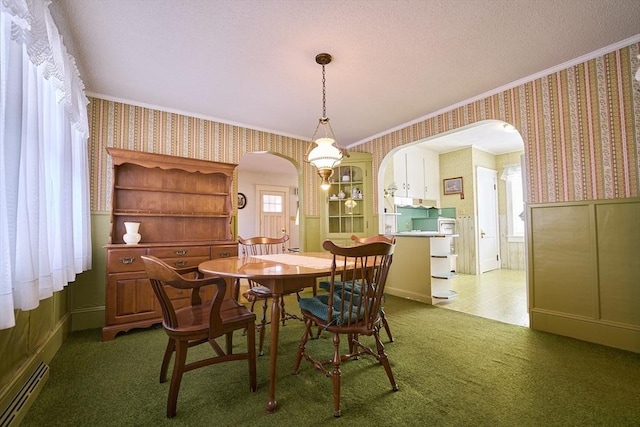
x=33 y=27
x=511 y=171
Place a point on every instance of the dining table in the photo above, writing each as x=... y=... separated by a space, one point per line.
x=283 y=274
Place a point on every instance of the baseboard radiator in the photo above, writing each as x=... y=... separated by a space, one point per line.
x=18 y=407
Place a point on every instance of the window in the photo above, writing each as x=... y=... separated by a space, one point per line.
x=512 y=174
x=272 y=203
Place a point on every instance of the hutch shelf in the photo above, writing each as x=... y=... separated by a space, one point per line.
x=184 y=207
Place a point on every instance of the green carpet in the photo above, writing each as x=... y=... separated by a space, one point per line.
x=453 y=369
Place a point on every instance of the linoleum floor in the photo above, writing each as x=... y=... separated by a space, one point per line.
x=498 y=294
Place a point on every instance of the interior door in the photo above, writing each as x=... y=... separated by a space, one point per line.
x=274 y=207
x=487 y=200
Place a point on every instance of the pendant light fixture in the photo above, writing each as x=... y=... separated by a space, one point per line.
x=326 y=155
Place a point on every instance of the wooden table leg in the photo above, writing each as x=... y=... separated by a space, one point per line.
x=272 y=404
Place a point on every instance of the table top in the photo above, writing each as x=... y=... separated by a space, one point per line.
x=304 y=264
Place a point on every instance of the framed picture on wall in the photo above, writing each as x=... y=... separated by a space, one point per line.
x=242 y=201
x=452 y=185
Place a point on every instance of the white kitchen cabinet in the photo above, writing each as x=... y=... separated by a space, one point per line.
x=431 y=162
x=416 y=171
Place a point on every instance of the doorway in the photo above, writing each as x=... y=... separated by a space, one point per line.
x=266 y=169
x=273 y=206
x=498 y=145
x=487 y=202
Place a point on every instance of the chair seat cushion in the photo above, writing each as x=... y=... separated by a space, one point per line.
x=318 y=306
x=326 y=285
x=260 y=291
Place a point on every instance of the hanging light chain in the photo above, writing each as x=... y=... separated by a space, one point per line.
x=324 y=94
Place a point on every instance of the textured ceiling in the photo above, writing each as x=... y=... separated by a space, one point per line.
x=252 y=62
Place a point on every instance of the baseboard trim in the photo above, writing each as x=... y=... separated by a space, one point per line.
x=87 y=318
x=408 y=295
x=624 y=338
x=29 y=379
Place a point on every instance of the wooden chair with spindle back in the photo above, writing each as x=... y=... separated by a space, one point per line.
x=256 y=246
x=343 y=312
x=364 y=240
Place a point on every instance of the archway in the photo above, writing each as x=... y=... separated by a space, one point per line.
x=492 y=144
x=267 y=169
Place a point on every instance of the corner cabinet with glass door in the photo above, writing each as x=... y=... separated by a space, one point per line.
x=349 y=202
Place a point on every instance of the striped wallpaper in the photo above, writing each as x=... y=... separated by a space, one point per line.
x=115 y=124
x=580 y=126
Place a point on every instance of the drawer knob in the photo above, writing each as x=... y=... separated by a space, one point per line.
x=127 y=259
x=224 y=254
x=180 y=263
x=181 y=252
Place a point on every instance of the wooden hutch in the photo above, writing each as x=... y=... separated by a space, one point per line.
x=184 y=209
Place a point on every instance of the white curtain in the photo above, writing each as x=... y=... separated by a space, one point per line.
x=45 y=234
x=511 y=171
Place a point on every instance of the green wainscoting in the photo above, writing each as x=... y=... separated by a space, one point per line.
x=584 y=274
x=37 y=337
x=88 y=291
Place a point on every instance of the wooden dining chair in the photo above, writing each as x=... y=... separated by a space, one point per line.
x=256 y=246
x=198 y=323
x=342 y=312
x=324 y=284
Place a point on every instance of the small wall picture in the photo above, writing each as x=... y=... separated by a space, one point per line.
x=242 y=201
x=452 y=185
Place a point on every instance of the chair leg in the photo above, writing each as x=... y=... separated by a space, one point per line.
x=302 y=346
x=353 y=340
x=383 y=318
x=283 y=313
x=384 y=361
x=336 y=375
x=176 y=378
x=251 y=348
x=263 y=325
x=171 y=346
x=229 y=342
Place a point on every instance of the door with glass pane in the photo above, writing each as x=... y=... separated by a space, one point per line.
x=274 y=205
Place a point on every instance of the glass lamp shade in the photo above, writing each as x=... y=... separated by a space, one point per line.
x=325 y=155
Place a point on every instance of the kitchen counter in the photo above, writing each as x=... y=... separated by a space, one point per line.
x=417 y=233
x=410 y=273
x=420 y=234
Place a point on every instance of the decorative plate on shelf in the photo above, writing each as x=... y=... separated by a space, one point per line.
x=242 y=201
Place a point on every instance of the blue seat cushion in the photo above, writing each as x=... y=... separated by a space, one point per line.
x=326 y=285
x=319 y=306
